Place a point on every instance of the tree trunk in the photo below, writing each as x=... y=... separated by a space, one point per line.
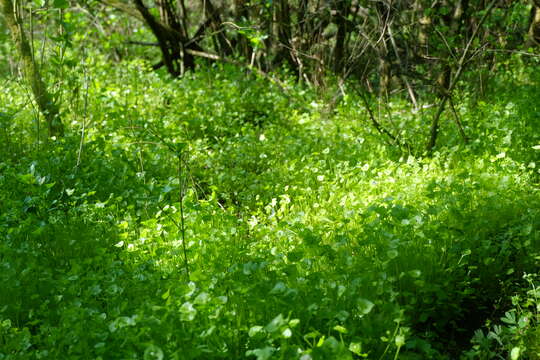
x=282 y=22
x=342 y=12
x=31 y=71
x=241 y=16
x=212 y=14
x=534 y=26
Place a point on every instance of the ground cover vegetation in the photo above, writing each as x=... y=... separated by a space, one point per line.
x=269 y=180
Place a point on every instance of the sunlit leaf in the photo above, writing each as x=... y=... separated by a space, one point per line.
x=364 y=306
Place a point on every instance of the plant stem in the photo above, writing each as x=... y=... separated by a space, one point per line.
x=182 y=225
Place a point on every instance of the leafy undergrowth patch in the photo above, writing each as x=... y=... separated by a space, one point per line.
x=299 y=234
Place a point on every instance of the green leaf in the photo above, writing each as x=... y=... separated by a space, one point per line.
x=275 y=324
x=295 y=256
x=27 y=179
x=279 y=288
x=356 y=348
x=61 y=4
x=153 y=352
x=165 y=296
x=202 y=298
x=364 y=306
x=287 y=333
x=331 y=349
x=509 y=318
x=514 y=354
x=400 y=340
x=187 y=311
x=255 y=330
x=340 y=329
x=294 y=322
x=261 y=354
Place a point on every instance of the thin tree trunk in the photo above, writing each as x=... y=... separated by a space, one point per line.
x=31 y=71
x=212 y=13
x=342 y=13
x=534 y=26
x=241 y=16
x=282 y=22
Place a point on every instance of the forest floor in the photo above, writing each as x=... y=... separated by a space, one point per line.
x=220 y=217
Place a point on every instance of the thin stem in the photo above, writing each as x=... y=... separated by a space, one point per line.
x=83 y=130
x=182 y=224
x=389 y=341
x=457 y=120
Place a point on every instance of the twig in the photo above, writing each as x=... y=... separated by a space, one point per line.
x=143 y=43
x=400 y=62
x=381 y=129
x=461 y=65
x=458 y=121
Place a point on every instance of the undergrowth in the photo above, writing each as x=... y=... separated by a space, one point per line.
x=222 y=216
